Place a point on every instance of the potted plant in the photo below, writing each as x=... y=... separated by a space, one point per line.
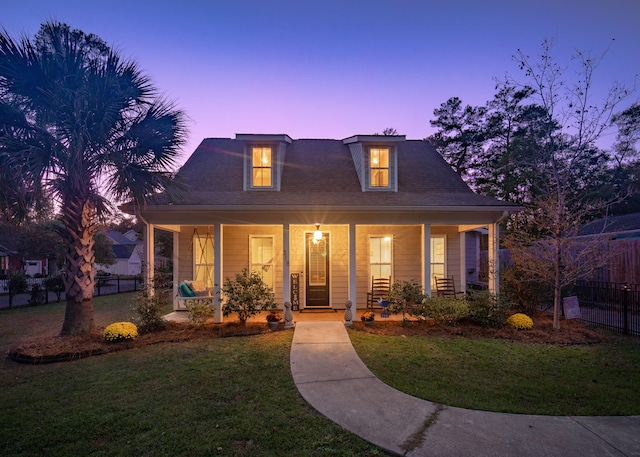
x=368 y=317
x=273 y=318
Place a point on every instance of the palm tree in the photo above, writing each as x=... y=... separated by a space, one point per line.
x=85 y=128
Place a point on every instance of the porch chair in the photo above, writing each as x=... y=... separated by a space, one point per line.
x=379 y=291
x=446 y=287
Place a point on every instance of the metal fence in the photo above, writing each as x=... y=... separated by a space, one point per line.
x=614 y=306
x=105 y=285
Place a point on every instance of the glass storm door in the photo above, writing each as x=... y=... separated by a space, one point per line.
x=317 y=274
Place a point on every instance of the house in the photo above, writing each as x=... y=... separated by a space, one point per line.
x=11 y=261
x=318 y=218
x=128 y=253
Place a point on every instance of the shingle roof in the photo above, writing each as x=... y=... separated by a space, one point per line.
x=612 y=224
x=322 y=172
x=123 y=251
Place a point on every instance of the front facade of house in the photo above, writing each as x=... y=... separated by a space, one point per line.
x=319 y=218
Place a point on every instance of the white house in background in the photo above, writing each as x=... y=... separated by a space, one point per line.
x=127 y=251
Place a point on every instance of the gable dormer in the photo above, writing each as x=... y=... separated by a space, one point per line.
x=263 y=160
x=376 y=160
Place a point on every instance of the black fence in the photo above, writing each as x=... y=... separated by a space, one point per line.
x=105 y=285
x=614 y=306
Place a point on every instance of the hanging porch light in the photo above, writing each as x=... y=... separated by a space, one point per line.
x=317 y=234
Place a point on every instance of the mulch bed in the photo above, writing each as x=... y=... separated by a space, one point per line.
x=61 y=349
x=571 y=331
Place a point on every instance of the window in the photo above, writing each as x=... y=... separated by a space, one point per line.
x=261 y=161
x=203 y=259
x=379 y=166
x=261 y=258
x=380 y=256
x=438 y=250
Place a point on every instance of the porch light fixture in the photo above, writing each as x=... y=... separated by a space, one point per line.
x=317 y=234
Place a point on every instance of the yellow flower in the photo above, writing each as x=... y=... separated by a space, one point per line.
x=120 y=331
x=520 y=321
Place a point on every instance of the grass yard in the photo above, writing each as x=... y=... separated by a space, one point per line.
x=499 y=375
x=224 y=396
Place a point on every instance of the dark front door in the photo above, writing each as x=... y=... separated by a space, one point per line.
x=317 y=274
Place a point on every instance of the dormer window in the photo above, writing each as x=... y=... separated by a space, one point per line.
x=261 y=167
x=379 y=167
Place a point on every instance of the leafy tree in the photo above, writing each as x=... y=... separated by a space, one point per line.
x=461 y=134
x=83 y=124
x=103 y=249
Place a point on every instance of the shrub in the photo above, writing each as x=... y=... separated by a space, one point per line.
x=485 y=309
x=37 y=295
x=55 y=284
x=445 y=310
x=405 y=296
x=520 y=321
x=149 y=308
x=120 y=331
x=17 y=284
x=199 y=311
x=525 y=294
x=246 y=295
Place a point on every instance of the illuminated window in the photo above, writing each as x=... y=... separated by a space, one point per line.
x=262 y=258
x=380 y=263
x=438 y=250
x=379 y=165
x=203 y=259
x=261 y=167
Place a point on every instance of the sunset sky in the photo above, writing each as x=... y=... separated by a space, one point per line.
x=336 y=68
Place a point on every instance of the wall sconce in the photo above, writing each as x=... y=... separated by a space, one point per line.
x=317 y=234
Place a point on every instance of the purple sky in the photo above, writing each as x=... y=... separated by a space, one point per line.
x=336 y=68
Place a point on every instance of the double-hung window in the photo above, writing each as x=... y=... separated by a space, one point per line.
x=261 y=256
x=380 y=256
x=261 y=166
x=379 y=167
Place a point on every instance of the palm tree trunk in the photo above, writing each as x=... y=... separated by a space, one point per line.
x=79 y=228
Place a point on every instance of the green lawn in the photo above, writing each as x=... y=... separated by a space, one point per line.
x=224 y=396
x=498 y=375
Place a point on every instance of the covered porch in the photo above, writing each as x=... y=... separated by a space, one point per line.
x=319 y=260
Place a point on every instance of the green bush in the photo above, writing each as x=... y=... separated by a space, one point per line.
x=199 y=311
x=406 y=297
x=524 y=293
x=149 y=308
x=485 y=309
x=37 y=295
x=445 y=310
x=246 y=295
x=55 y=284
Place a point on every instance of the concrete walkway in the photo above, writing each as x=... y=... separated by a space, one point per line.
x=332 y=378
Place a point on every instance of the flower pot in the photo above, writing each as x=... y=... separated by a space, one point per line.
x=273 y=325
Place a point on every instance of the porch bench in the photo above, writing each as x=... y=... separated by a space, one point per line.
x=192 y=291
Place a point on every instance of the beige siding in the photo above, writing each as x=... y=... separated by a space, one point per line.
x=235 y=251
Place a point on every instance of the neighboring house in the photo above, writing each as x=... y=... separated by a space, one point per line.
x=9 y=261
x=319 y=218
x=127 y=252
x=621 y=238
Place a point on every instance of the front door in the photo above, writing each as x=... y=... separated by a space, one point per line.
x=317 y=274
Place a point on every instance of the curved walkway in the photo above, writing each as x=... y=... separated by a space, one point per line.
x=332 y=378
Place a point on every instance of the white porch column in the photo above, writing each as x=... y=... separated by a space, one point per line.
x=494 y=264
x=426 y=258
x=176 y=267
x=148 y=257
x=463 y=263
x=217 y=272
x=352 y=267
x=286 y=280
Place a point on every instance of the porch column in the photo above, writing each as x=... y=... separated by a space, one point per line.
x=176 y=267
x=217 y=272
x=463 y=262
x=148 y=257
x=426 y=258
x=494 y=264
x=286 y=272
x=352 y=267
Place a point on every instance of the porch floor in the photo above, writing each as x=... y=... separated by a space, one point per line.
x=298 y=316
